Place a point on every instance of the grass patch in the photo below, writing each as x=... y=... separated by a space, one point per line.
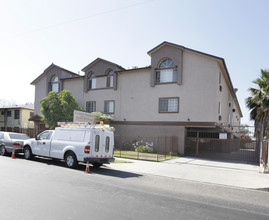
x=143 y=156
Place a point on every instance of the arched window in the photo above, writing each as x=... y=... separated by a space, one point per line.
x=54 y=84
x=110 y=76
x=167 y=63
x=167 y=72
x=91 y=81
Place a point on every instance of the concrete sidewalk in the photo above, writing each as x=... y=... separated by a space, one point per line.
x=201 y=170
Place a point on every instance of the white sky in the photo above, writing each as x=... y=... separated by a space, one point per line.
x=72 y=33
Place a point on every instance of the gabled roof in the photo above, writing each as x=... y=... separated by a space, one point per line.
x=166 y=43
x=220 y=60
x=26 y=106
x=100 y=59
x=50 y=67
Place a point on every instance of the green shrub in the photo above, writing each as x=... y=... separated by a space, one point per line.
x=144 y=149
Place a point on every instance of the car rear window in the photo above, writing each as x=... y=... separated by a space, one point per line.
x=18 y=136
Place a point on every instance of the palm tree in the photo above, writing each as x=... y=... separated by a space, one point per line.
x=258 y=103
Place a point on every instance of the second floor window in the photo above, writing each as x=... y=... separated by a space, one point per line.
x=17 y=114
x=167 y=72
x=55 y=84
x=91 y=81
x=109 y=81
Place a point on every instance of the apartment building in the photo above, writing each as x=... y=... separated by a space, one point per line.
x=180 y=89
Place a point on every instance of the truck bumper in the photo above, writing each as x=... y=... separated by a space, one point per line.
x=99 y=160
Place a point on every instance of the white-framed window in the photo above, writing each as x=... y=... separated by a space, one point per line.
x=167 y=72
x=220 y=79
x=91 y=106
x=110 y=79
x=109 y=107
x=219 y=109
x=54 y=84
x=169 y=105
x=229 y=100
x=91 y=81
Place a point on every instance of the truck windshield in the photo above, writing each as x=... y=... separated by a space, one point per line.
x=45 y=135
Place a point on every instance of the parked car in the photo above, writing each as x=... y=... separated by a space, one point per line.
x=10 y=141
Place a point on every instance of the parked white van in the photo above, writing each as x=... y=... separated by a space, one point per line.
x=74 y=142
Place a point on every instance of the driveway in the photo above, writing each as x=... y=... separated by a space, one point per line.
x=231 y=174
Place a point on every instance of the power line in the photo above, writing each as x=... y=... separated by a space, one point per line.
x=78 y=19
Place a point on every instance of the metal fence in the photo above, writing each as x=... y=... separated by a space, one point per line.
x=31 y=132
x=234 y=146
x=156 y=148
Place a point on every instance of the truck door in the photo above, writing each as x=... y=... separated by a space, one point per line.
x=42 y=144
x=108 y=144
x=103 y=144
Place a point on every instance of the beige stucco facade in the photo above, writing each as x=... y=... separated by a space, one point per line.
x=17 y=117
x=202 y=89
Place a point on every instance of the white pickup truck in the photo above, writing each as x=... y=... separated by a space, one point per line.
x=93 y=144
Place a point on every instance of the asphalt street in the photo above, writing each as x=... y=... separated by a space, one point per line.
x=45 y=189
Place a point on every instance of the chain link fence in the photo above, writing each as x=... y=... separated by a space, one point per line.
x=31 y=132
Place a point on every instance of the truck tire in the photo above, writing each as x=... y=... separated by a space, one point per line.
x=3 y=151
x=27 y=153
x=70 y=160
x=97 y=165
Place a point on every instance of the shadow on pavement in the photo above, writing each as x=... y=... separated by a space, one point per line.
x=81 y=167
x=114 y=173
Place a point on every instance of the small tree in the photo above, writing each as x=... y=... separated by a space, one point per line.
x=58 y=107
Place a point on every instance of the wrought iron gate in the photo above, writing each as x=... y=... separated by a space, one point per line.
x=210 y=146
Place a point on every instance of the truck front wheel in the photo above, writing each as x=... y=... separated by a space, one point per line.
x=71 y=160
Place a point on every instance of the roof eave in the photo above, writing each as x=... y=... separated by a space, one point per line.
x=100 y=59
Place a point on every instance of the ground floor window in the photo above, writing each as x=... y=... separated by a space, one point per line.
x=109 y=107
x=91 y=106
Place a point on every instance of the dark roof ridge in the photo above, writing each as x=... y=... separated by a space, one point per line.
x=101 y=59
x=49 y=67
